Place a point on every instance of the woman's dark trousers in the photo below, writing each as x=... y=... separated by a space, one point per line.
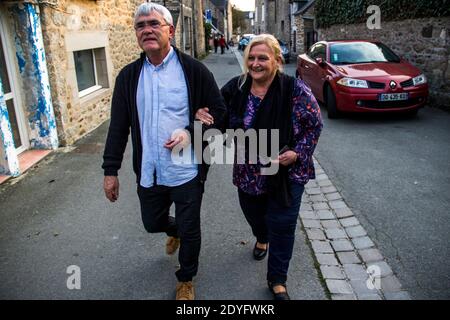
x=276 y=224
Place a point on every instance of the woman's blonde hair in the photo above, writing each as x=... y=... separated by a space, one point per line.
x=271 y=42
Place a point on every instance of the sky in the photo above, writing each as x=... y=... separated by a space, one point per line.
x=244 y=5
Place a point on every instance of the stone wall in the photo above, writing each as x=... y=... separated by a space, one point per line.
x=75 y=25
x=423 y=42
x=85 y=21
x=299 y=26
x=270 y=10
x=282 y=21
x=260 y=26
x=201 y=44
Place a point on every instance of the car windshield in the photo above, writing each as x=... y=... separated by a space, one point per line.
x=361 y=52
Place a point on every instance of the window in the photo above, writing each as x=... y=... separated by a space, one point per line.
x=361 y=52
x=322 y=52
x=318 y=51
x=263 y=13
x=275 y=13
x=311 y=51
x=90 y=68
x=10 y=95
x=187 y=34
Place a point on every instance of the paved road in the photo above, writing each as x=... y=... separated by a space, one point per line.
x=395 y=175
x=56 y=216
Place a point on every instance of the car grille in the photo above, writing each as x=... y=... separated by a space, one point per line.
x=374 y=104
x=376 y=85
x=407 y=83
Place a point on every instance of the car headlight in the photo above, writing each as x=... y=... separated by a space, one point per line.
x=353 y=83
x=420 y=79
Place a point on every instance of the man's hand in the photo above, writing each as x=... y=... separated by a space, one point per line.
x=287 y=158
x=111 y=187
x=178 y=136
x=203 y=115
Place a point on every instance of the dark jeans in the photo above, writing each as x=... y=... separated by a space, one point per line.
x=275 y=224
x=155 y=206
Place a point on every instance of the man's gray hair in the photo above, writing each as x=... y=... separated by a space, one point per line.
x=147 y=7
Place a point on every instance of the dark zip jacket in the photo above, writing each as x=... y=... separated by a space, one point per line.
x=202 y=92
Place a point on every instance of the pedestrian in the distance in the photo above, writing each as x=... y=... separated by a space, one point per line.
x=157 y=96
x=222 y=44
x=265 y=98
x=216 y=44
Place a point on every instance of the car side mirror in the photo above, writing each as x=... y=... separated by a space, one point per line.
x=320 y=62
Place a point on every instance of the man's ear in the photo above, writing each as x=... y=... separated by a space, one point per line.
x=172 y=32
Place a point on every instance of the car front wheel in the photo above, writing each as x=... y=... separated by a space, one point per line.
x=331 y=104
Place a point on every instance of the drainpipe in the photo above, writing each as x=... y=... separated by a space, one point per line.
x=194 y=28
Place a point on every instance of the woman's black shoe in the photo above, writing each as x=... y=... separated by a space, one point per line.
x=280 y=295
x=259 y=254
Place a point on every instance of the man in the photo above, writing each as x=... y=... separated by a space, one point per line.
x=156 y=96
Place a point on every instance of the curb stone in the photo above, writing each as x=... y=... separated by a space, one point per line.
x=349 y=262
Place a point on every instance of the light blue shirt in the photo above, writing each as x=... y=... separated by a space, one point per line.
x=163 y=107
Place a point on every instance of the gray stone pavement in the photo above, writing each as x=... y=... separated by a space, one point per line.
x=353 y=268
x=55 y=216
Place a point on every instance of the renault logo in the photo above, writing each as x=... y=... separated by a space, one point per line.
x=392 y=84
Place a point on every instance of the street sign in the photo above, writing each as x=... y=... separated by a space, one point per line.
x=208 y=16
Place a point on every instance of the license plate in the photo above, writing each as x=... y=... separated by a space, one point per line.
x=393 y=96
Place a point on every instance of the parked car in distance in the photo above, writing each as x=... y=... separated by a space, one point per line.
x=285 y=51
x=244 y=41
x=362 y=76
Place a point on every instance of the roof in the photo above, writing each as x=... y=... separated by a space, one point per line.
x=305 y=8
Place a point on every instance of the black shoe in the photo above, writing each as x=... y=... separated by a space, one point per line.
x=280 y=295
x=259 y=254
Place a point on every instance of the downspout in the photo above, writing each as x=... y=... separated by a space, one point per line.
x=183 y=39
x=194 y=28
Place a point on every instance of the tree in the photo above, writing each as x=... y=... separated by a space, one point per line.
x=239 y=20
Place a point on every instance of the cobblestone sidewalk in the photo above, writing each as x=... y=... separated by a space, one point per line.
x=350 y=264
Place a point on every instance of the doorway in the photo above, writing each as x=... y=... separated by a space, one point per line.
x=12 y=100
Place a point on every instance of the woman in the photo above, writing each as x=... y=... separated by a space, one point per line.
x=265 y=98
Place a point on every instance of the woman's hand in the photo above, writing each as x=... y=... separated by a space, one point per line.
x=287 y=158
x=203 y=115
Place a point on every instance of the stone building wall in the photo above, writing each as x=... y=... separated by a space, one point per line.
x=423 y=42
x=201 y=43
x=282 y=21
x=79 y=24
x=299 y=22
x=270 y=19
x=260 y=26
x=299 y=36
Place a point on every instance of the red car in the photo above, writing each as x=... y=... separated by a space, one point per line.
x=362 y=76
